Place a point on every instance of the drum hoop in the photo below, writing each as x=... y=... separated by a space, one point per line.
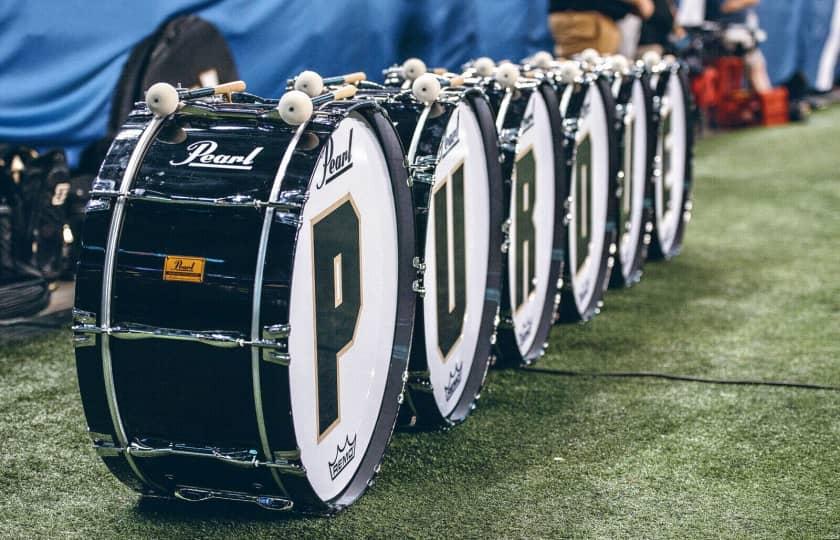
x=256 y=354
x=114 y=229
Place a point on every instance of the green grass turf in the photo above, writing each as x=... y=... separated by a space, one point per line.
x=755 y=294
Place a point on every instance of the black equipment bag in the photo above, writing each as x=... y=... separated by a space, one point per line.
x=33 y=195
x=186 y=50
x=30 y=227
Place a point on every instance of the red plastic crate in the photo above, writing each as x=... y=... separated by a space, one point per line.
x=730 y=74
x=738 y=108
x=705 y=88
x=774 y=107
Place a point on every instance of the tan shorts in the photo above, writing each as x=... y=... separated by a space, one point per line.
x=574 y=31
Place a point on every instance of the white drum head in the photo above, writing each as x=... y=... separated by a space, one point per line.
x=635 y=177
x=343 y=306
x=456 y=256
x=532 y=215
x=669 y=187
x=590 y=190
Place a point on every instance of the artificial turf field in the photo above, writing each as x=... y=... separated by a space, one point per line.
x=756 y=294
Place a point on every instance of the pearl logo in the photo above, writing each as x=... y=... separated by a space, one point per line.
x=336 y=163
x=203 y=154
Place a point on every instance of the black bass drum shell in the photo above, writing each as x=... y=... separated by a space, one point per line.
x=437 y=395
x=590 y=103
x=187 y=399
x=636 y=150
x=522 y=339
x=675 y=133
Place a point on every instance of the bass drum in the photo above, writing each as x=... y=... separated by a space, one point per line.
x=244 y=303
x=531 y=137
x=637 y=143
x=591 y=158
x=456 y=182
x=673 y=175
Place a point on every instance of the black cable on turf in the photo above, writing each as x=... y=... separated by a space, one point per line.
x=673 y=377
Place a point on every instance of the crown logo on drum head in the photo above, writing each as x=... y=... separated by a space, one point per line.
x=454 y=380
x=344 y=455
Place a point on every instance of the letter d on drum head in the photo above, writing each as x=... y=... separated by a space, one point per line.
x=343 y=306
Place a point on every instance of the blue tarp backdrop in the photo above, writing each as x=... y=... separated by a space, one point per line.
x=60 y=60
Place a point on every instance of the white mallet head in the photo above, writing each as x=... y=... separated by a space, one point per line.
x=426 y=88
x=542 y=59
x=590 y=56
x=669 y=59
x=507 y=75
x=620 y=63
x=295 y=107
x=570 y=71
x=310 y=83
x=484 y=66
x=651 y=59
x=413 y=68
x=162 y=99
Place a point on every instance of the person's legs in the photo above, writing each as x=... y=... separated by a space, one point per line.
x=830 y=54
x=574 y=31
x=821 y=43
x=757 y=67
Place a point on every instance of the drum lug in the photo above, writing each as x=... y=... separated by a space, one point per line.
x=276 y=357
x=418 y=286
x=506 y=322
x=567 y=211
x=84 y=323
x=571 y=126
x=423 y=169
x=276 y=331
x=621 y=177
x=506 y=235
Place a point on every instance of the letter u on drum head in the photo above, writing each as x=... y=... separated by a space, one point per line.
x=343 y=309
x=457 y=259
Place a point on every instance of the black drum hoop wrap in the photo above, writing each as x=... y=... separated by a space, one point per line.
x=634 y=273
x=420 y=401
x=656 y=250
x=509 y=354
x=569 y=310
